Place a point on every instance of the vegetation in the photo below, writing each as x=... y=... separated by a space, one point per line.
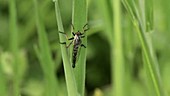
x=127 y=50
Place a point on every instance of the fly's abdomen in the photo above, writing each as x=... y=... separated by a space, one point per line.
x=75 y=50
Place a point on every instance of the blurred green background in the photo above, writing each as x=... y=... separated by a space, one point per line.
x=98 y=71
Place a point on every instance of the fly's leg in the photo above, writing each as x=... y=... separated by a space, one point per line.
x=67 y=46
x=84 y=30
x=67 y=36
x=73 y=33
x=82 y=36
x=71 y=38
x=63 y=34
x=85 y=26
x=63 y=43
x=82 y=45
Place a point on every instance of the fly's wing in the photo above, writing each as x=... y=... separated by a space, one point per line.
x=75 y=58
x=71 y=53
x=78 y=54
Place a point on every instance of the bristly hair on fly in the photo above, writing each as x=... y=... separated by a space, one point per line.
x=76 y=42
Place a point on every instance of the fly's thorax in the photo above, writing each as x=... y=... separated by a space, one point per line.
x=77 y=39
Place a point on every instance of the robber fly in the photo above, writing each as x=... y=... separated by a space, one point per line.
x=77 y=43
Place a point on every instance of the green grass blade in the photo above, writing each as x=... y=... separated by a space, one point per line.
x=112 y=22
x=113 y=31
x=14 y=46
x=2 y=80
x=107 y=17
x=70 y=80
x=2 y=83
x=45 y=57
x=117 y=53
x=149 y=15
x=151 y=60
x=79 y=19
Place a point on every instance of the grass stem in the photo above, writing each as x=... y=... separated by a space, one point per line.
x=118 y=63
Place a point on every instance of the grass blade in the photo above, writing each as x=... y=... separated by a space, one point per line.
x=70 y=80
x=14 y=47
x=45 y=58
x=151 y=60
x=107 y=16
x=149 y=15
x=79 y=19
x=2 y=80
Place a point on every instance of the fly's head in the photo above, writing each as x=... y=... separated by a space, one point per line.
x=77 y=37
x=78 y=34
